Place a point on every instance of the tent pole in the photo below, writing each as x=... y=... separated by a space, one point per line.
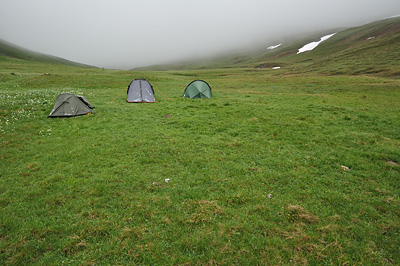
x=163 y=93
x=118 y=95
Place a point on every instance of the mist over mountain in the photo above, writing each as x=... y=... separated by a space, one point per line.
x=11 y=50
x=368 y=49
x=126 y=34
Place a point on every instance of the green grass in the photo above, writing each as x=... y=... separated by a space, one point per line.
x=91 y=190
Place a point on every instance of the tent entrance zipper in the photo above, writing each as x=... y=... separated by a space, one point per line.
x=141 y=93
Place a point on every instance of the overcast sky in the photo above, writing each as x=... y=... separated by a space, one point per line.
x=131 y=33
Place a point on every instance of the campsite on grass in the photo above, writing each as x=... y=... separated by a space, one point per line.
x=291 y=166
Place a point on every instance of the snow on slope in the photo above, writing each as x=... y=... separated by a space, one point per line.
x=274 y=46
x=312 y=45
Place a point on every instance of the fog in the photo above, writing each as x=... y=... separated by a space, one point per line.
x=131 y=33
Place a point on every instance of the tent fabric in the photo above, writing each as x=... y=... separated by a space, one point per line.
x=68 y=105
x=140 y=91
x=85 y=101
x=198 y=89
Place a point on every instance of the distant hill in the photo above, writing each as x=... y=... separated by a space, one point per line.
x=373 y=48
x=12 y=51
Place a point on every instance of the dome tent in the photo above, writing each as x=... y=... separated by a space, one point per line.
x=68 y=105
x=140 y=91
x=197 y=89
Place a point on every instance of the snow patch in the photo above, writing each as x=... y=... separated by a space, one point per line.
x=312 y=45
x=274 y=46
x=276 y=67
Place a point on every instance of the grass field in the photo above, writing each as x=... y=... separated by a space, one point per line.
x=275 y=169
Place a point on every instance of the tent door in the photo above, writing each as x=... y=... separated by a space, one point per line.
x=141 y=92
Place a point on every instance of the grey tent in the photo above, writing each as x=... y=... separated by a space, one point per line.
x=197 y=89
x=68 y=105
x=140 y=91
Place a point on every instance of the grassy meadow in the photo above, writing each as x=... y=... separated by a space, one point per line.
x=275 y=169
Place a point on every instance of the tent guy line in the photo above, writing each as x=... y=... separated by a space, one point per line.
x=162 y=93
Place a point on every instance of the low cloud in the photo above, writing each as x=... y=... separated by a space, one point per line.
x=126 y=34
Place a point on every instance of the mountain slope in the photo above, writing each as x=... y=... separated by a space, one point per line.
x=9 y=51
x=369 y=49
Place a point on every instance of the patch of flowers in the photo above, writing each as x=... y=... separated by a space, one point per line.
x=19 y=106
x=45 y=132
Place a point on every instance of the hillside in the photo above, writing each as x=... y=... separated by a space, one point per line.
x=9 y=51
x=368 y=49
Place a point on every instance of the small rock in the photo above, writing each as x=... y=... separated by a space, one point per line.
x=391 y=163
x=345 y=168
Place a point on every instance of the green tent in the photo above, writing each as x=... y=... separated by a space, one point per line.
x=68 y=105
x=198 y=89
